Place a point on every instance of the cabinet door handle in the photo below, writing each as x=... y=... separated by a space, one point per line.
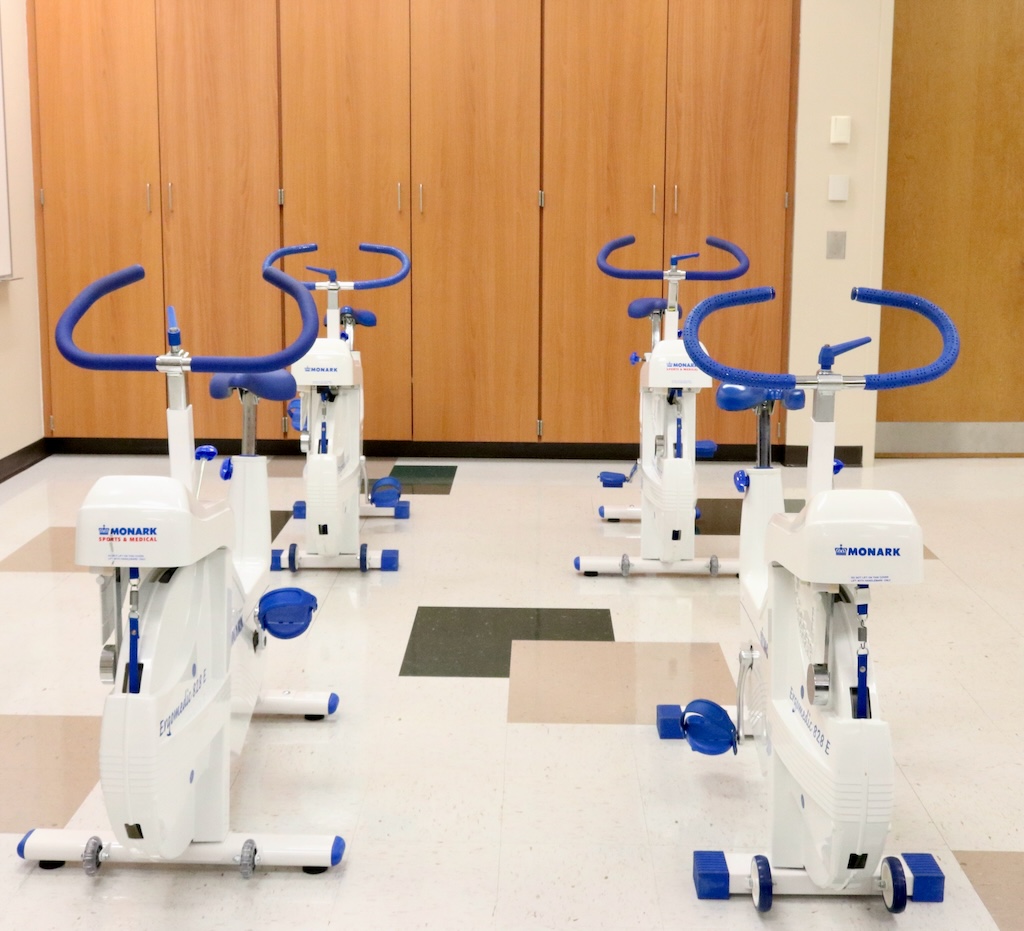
x=421 y=198
x=675 y=198
x=170 y=197
x=149 y=200
x=654 y=198
x=399 y=196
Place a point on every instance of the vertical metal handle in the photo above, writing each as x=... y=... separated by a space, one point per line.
x=654 y=198
x=421 y=198
x=399 y=196
x=675 y=198
x=170 y=197
x=149 y=200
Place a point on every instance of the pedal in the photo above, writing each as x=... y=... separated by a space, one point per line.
x=285 y=613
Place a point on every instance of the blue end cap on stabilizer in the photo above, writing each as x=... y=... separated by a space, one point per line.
x=299 y=510
x=929 y=880
x=670 y=721
x=600 y=513
x=388 y=560
x=275 y=560
x=333 y=702
x=710 y=874
x=337 y=851
x=576 y=563
x=21 y=843
x=612 y=479
x=402 y=510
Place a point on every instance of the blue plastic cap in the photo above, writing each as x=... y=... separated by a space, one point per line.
x=612 y=479
x=295 y=413
x=576 y=562
x=710 y=874
x=275 y=560
x=402 y=510
x=929 y=880
x=600 y=513
x=741 y=480
x=389 y=560
x=669 y=719
x=226 y=470
x=634 y=357
x=837 y=466
x=299 y=510
x=21 y=843
x=206 y=453
x=337 y=851
x=332 y=703
x=705 y=449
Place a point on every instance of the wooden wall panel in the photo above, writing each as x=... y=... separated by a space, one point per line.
x=345 y=152
x=476 y=233
x=604 y=161
x=97 y=127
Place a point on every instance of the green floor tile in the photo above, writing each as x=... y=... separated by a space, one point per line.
x=425 y=480
x=477 y=642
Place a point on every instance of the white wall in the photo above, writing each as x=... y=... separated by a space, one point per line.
x=845 y=68
x=21 y=393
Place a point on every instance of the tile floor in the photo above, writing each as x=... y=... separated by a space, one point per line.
x=536 y=795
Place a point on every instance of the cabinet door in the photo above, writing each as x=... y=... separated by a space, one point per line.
x=726 y=164
x=604 y=161
x=99 y=154
x=219 y=151
x=345 y=158
x=475 y=229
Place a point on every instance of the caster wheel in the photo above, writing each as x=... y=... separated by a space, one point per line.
x=51 y=864
x=293 y=557
x=761 y=883
x=314 y=870
x=589 y=575
x=894 y=885
x=314 y=717
x=247 y=859
x=91 y=856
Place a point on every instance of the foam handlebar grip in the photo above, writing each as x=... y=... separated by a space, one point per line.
x=89 y=295
x=609 y=247
x=287 y=250
x=735 y=251
x=932 y=313
x=727 y=373
x=391 y=279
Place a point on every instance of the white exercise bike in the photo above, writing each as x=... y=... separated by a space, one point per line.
x=186 y=661
x=806 y=692
x=669 y=383
x=329 y=416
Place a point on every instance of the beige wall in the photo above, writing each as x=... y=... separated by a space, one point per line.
x=21 y=391
x=845 y=66
x=845 y=54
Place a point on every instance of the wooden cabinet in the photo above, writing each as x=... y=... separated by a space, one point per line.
x=476 y=228
x=219 y=156
x=158 y=132
x=727 y=157
x=345 y=163
x=99 y=157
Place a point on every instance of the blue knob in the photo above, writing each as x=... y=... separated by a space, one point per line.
x=741 y=480
x=226 y=469
x=634 y=357
x=206 y=453
x=837 y=466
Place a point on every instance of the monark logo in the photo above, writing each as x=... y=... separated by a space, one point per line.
x=320 y=368
x=867 y=550
x=131 y=534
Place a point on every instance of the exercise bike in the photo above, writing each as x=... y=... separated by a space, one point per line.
x=329 y=417
x=186 y=660
x=806 y=692
x=669 y=383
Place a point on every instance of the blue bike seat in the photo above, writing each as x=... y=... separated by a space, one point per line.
x=743 y=397
x=645 y=306
x=272 y=386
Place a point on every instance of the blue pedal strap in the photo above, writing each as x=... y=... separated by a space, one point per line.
x=708 y=728
x=385 y=492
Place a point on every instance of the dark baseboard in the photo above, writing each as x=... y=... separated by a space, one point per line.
x=22 y=459
x=413 y=449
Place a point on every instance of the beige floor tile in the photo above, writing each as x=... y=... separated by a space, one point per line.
x=998 y=878
x=51 y=551
x=49 y=765
x=565 y=682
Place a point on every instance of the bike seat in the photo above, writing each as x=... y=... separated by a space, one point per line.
x=645 y=306
x=271 y=386
x=743 y=398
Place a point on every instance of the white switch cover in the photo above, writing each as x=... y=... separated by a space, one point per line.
x=838 y=187
x=840 y=130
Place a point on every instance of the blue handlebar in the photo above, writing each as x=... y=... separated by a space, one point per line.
x=743 y=263
x=880 y=382
x=117 y=362
x=384 y=282
x=932 y=313
x=287 y=250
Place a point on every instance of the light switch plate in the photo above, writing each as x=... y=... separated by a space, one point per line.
x=838 y=187
x=835 y=244
x=840 y=130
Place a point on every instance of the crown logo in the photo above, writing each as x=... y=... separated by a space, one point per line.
x=841 y=550
x=104 y=530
